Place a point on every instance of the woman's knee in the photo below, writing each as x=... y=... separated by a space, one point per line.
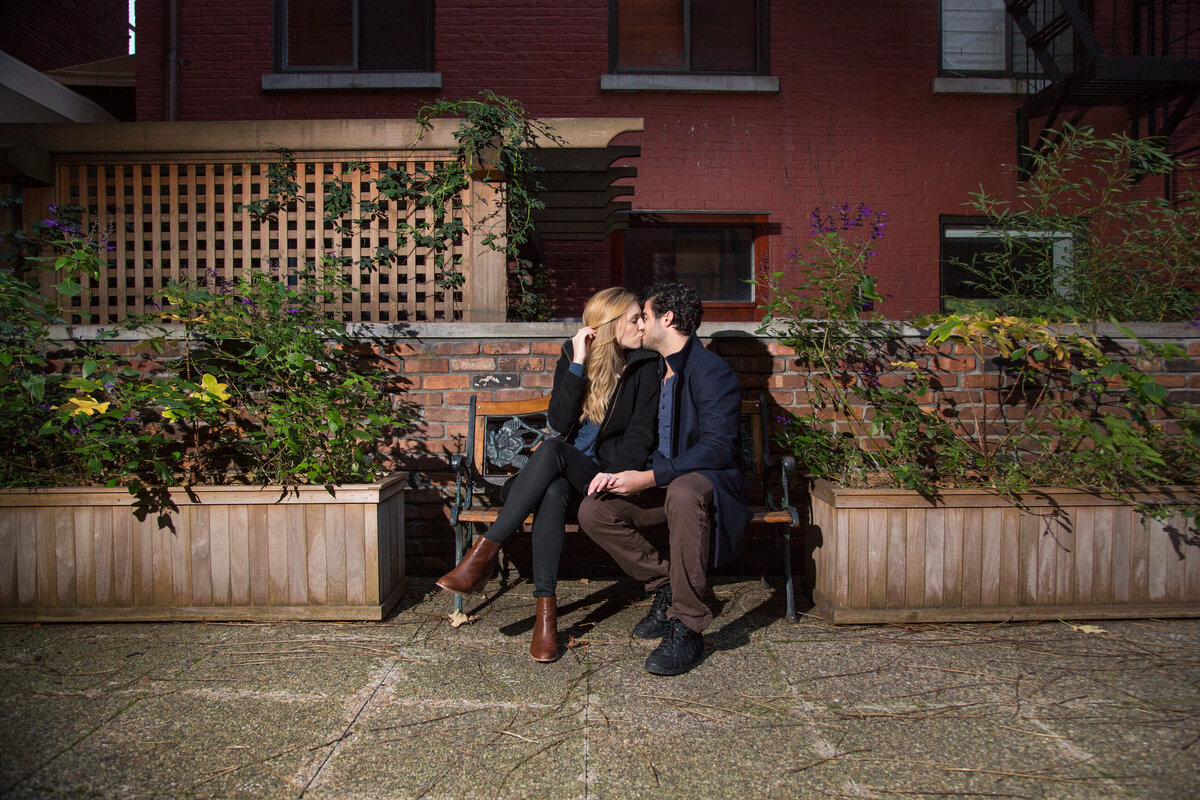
x=552 y=446
x=558 y=492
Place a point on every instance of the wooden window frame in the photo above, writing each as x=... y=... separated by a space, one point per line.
x=761 y=45
x=281 y=47
x=714 y=310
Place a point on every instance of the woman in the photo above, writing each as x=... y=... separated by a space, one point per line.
x=604 y=403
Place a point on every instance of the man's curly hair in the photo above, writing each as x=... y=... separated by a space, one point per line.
x=680 y=299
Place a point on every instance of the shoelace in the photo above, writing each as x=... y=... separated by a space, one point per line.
x=675 y=635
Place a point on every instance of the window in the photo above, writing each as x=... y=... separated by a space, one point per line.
x=715 y=253
x=688 y=36
x=979 y=38
x=355 y=35
x=978 y=262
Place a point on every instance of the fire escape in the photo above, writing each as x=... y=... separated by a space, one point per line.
x=1138 y=56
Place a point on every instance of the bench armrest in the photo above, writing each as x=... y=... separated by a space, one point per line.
x=464 y=486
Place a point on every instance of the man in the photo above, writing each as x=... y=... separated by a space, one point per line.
x=695 y=485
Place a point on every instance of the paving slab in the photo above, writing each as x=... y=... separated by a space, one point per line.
x=412 y=707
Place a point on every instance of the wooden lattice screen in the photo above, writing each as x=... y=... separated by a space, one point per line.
x=183 y=219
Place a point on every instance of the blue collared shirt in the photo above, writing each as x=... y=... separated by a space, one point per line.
x=585 y=437
x=666 y=409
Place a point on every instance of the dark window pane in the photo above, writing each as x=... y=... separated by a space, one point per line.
x=650 y=34
x=717 y=261
x=979 y=267
x=394 y=35
x=724 y=34
x=320 y=33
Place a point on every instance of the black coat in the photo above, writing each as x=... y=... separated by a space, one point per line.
x=706 y=438
x=630 y=427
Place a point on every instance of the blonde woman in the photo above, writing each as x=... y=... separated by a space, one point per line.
x=605 y=405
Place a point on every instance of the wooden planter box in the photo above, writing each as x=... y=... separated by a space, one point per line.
x=236 y=553
x=889 y=555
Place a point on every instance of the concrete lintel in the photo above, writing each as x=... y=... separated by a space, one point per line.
x=978 y=86
x=307 y=81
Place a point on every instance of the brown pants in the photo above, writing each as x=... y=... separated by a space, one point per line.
x=685 y=507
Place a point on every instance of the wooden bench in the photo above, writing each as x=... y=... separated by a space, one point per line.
x=502 y=433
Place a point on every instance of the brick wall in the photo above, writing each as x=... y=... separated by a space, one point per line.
x=444 y=365
x=855 y=119
x=52 y=34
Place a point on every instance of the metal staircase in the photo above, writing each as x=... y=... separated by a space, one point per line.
x=1142 y=56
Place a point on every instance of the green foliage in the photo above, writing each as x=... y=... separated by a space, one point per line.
x=252 y=382
x=494 y=142
x=1053 y=406
x=1132 y=255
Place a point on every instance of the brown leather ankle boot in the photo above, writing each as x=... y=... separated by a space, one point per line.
x=475 y=569
x=544 y=646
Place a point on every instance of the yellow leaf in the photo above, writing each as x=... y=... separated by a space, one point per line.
x=458 y=619
x=212 y=389
x=86 y=405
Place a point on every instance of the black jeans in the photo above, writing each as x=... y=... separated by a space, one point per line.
x=555 y=479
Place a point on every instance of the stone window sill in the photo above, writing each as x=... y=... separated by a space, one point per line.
x=978 y=86
x=646 y=82
x=300 y=81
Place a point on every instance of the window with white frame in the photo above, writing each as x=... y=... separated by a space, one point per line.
x=688 y=36
x=354 y=35
x=980 y=262
x=978 y=38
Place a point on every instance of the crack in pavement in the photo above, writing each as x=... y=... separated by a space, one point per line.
x=337 y=743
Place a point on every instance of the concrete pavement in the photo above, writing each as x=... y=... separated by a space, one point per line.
x=413 y=708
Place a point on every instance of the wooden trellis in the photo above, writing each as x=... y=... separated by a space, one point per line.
x=184 y=218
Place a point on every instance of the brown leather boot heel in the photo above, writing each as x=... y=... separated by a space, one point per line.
x=544 y=646
x=475 y=569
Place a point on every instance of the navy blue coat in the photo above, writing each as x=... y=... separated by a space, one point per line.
x=706 y=438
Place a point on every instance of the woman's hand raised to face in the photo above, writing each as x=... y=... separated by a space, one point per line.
x=580 y=341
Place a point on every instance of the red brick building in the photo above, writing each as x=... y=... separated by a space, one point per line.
x=754 y=112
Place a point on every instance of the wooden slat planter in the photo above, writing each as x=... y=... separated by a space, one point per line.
x=887 y=555
x=238 y=553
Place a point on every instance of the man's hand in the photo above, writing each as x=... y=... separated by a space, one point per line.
x=631 y=481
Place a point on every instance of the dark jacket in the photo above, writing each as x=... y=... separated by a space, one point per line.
x=630 y=427
x=706 y=438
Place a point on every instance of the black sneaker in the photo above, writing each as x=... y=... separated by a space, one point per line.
x=654 y=624
x=680 y=650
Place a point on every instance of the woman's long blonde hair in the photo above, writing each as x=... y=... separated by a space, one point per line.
x=605 y=358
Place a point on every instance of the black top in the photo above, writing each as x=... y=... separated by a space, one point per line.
x=627 y=433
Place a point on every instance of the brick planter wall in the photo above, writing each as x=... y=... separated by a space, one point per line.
x=440 y=366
